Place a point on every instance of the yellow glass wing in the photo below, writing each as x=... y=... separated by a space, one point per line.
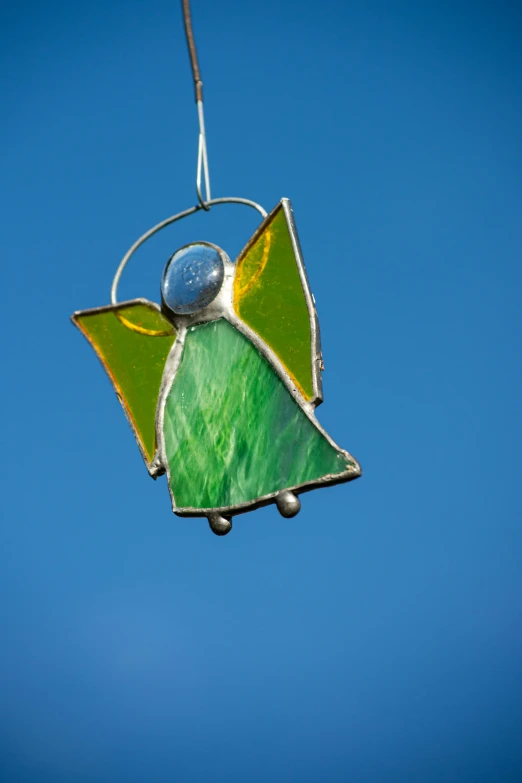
x=132 y=341
x=272 y=296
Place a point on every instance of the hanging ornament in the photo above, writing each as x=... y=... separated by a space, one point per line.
x=220 y=382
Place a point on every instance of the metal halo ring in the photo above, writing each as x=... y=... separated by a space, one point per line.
x=124 y=261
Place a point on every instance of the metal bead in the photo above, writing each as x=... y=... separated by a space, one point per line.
x=219 y=525
x=288 y=504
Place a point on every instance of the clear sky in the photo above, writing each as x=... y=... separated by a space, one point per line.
x=376 y=637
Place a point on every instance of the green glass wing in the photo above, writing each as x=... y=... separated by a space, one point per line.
x=132 y=341
x=273 y=298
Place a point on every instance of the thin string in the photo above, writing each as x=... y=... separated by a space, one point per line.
x=202 y=164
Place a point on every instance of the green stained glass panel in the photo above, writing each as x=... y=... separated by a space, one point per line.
x=132 y=341
x=233 y=432
x=269 y=297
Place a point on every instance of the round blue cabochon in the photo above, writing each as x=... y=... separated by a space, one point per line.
x=192 y=279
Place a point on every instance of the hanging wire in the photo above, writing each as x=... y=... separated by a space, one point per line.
x=201 y=170
x=202 y=165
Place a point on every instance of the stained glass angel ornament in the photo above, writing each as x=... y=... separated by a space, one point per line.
x=221 y=381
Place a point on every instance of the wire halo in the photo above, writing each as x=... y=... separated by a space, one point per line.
x=167 y=222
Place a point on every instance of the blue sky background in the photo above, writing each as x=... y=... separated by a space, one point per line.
x=376 y=637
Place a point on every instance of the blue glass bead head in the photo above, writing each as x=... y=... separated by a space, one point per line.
x=192 y=278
